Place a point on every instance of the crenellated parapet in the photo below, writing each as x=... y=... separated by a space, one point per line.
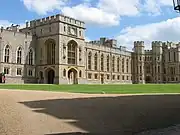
x=14 y=31
x=157 y=43
x=138 y=43
x=55 y=18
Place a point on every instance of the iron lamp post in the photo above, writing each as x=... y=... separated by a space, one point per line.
x=176 y=4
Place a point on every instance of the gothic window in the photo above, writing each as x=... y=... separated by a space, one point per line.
x=158 y=69
x=95 y=61
x=50 y=48
x=108 y=63
x=89 y=75
x=174 y=56
x=19 y=71
x=30 y=72
x=80 y=73
x=80 y=51
x=7 y=53
x=102 y=62
x=41 y=57
x=118 y=64
x=113 y=64
x=95 y=76
x=19 y=55
x=6 y=70
x=89 y=60
x=64 y=72
x=123 y=65
x=127 y=65
x=72 y=52
x=30 y=57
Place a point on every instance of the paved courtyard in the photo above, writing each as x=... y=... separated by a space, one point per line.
x=52 y=113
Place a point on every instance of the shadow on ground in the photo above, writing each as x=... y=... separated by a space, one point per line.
x=113 y=115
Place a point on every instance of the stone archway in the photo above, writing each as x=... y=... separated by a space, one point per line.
x=72 y=76
x=50 y=75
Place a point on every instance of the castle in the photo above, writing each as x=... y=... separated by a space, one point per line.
x=53 y=50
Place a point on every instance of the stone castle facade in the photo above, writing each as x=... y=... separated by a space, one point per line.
x=53 y=50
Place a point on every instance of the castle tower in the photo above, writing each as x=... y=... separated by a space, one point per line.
x=138 y=62
x=157 y=67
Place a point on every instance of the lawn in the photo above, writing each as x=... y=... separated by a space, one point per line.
x=111 y=89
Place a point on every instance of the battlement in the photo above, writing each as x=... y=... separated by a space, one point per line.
x=157 y=43
x=147 y=50
x=138 y=43
x=14 y=29
x=55 y=18
x=18 y=34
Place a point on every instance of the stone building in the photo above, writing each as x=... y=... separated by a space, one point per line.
x=53 y=50
x=159 y=65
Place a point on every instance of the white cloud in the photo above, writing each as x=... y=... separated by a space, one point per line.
x=162 y=31
x=120 y=7
x=42 y=7
x=91 y=15
x=101 y=12
x=153 y=7
x=106 y=13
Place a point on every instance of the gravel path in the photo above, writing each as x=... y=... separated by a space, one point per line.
x=48 y=113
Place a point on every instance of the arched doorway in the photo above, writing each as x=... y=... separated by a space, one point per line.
x=72 y=76
x=50 y=76
x=148 y=79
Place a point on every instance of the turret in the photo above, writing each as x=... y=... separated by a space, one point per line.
x=139 y=62
x=139 y=47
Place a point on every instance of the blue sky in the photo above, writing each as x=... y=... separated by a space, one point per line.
x=124 y=20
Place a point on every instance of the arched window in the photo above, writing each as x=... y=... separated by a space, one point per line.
x=102 y=62
x=6 y=54
x=30 y=57
x=80 y=73
x=123 y=65
x=89 y=60
x=19 y=55
x=72 y=52
x=50 y=48
x=95 y=61
x=118 y=64
x=108 y=63
x=127 y=65
x=64 y=72
x=113 y=64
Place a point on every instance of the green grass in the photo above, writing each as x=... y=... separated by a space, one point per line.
x=111 y=89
